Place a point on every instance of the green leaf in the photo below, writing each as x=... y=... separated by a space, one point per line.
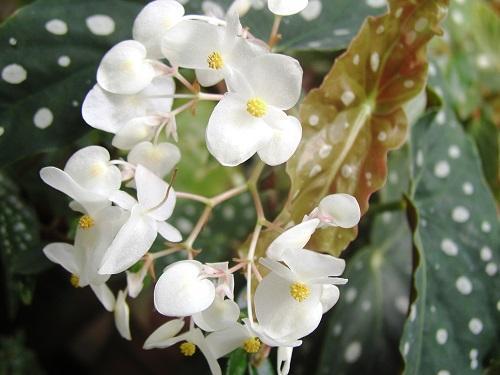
x=237 y=363
x=46 y=74
x=16 y=358
x=364 y=328
x=198 y=172
x=486 y=136
x=453 y=324
x=326 y=25
x=21 y=254
x=357 y=114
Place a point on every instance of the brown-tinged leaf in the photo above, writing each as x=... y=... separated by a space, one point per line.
x=357 y=116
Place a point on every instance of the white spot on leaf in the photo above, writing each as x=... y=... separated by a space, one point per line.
x=441 y=336
x=491 y=269
x=486 y=226
x=475 y=326
x=442 y=169
x=312 y=11
x=449 y=247
x=468 y=188
x=374 y=61
x=454 y=152
x=100 y=24
x=352 y=352
x=313 y=120
x=56 y=27
x=460 y=214
x=43 y=118
x=464 y=285
x=14 y=74
x=486 y=254
x=64 y=61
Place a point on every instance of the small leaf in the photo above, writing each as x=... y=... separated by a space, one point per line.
x=310 y=29
x=453 y=322
x=237 y=363
x=356 y=115
x=50 y=54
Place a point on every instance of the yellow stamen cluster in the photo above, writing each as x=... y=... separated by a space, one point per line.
x=299 y=291
x=86 y=222
x=257 y=107
x=74 y=280
x=188 y=348
x=252 y=345
x=215 y=61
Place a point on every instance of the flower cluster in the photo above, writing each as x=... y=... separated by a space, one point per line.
x=125 y=203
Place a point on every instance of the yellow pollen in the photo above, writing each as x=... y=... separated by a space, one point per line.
x=188 y=348
x=252 y=345
x=257 y=107
x=215 y=61
x=86 y=222
x=299 y=291
x=74 y=280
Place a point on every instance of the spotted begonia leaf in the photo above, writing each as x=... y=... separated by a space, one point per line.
x=453 y=325
x=357 y=114
x=377 y=294
x=50 y=52
x=323 y=25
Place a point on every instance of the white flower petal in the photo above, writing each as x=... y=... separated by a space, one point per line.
x=287 y=134
x=221 y=314
x=105 y=295
x=287 y=7
x=226 y=340
x=124 y=69
x=132 y=241
x=277 y=79
x=189 y=43
x=109 y=112
x=169 y=232
x=258 y=331
x=63 y=182
x=151 y=190
x=137 y=130
x=159 y=159
x=135 y=281
x=153 y=21
x=284 y=359
x=90 y=168
x=209 y=77
x=196 y=337
x=283 y=317
x=63 y=254
x=163 y=334
x=233 y=135
x=329 y=296
x=294 y=238
x=123 y=199
x=341 y=210
x=180 y=291
x=122 y=316
x=309 y=264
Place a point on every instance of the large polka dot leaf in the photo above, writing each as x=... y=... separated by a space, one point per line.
x=357 y=116
x=50 y=52
x=376 y=297
x=454 y=317
x=323 y=25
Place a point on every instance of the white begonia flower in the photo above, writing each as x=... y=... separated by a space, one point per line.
x=294 y=238
x=153 y=21
x=251 y=117
x=110 y=112
x=289 y=301
x=221 y=314
x=337 y=210
x=235 y=336
x=286 y=7
x=93 y=237
x=156 y=201
x=124 y=69
x=164 y=337
x=88 y=178
x=122 y=315
x=159 y=159
x=213 y=51
x=183 y=289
